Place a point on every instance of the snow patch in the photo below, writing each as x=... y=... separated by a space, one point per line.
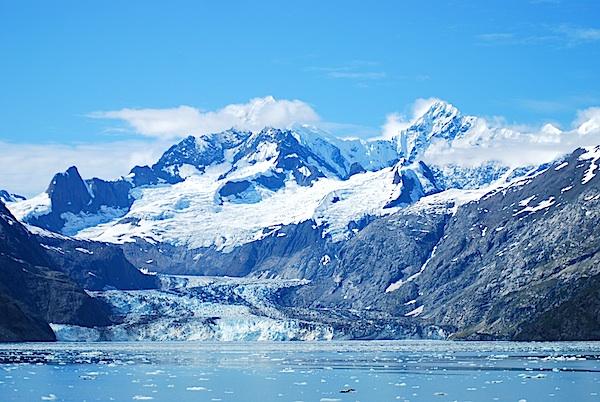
x=415 y=313
x=32 y=207
x=526 y=201
x=76 y=222
x=592 y=154
x=540 y=206
x=565 y=189
x=562 y=165
x=305 y=171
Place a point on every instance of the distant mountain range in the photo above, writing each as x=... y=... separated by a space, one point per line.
x=339 y=238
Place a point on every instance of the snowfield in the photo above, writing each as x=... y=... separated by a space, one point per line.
x=187 y=213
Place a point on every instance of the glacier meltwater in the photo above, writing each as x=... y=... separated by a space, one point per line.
x=301 y=371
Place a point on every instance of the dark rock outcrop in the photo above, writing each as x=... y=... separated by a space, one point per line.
x=94 y=265
x=70 y=194
x=33 y=294
x=5 y=196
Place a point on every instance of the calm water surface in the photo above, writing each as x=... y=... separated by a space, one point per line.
x=365 y=371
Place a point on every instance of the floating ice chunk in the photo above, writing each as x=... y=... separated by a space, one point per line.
x=196 y=389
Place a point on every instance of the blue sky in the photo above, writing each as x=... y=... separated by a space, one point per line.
x=353 y=62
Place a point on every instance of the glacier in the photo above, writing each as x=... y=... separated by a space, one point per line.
x=188 y=308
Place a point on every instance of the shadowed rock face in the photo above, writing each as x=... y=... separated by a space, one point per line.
x=5 y=196
x=94 y=265
x=33 y=294
x=292 y=251
x=19 y=326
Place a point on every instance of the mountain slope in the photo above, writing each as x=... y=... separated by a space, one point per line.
x=521 y=262
x=33 y=294
x=43 y=276
x=93 y=265
x=524 y=254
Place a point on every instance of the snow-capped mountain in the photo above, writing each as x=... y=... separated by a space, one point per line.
x=441 y=122
x=234 y=187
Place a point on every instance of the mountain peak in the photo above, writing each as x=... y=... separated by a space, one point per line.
x=70 y=175
x=439 y=121
x=437 y=111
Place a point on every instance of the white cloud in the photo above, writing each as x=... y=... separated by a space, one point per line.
x=563 y=35
x=422 y=105
x=490 y=141
x=588 y=121
x=580 y=34
x=186 y=120
x=355 y=75
x=396 y=122
x=494 y=139
x=28 y=168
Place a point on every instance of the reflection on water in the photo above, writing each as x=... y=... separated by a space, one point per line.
x=332 y=371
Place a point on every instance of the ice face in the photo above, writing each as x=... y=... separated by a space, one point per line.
x=189 y=308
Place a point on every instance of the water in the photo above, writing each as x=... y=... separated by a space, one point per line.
x=265 y=372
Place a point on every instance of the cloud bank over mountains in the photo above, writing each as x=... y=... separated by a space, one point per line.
x=495 y=140
x=187 y=120
x=27 y=168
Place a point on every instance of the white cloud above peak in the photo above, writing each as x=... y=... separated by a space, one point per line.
x=396 y=122
x=27 y=168
x=517 y=146
x=185 y=120
x=588 y=120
